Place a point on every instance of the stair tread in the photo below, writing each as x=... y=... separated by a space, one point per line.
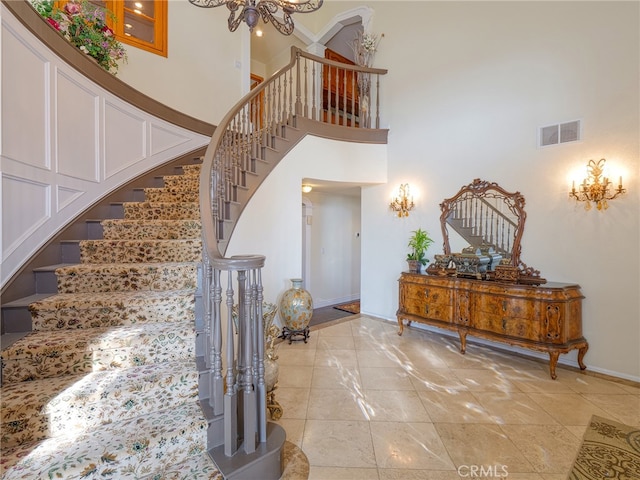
x=57 y=406
x=54 y=343
x=117 y=450
x=88 y=300
x=48 y=268
x=26 y=301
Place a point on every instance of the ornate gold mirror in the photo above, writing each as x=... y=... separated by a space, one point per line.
x=484 y=223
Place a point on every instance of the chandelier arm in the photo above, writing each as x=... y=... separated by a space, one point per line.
x=299 y=7
x=208 y=3
x=233 y=21
x=268 y=8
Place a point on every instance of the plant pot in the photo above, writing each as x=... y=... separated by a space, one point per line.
x=414 y=266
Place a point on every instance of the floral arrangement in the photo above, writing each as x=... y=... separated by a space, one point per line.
x=85 y=26
x=364 y=47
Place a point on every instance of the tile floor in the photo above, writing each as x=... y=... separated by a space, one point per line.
x=365 y=403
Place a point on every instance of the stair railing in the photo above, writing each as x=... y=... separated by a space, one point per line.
x=310 y=92
x=480 y=223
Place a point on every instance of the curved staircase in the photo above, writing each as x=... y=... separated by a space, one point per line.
x=106 y=384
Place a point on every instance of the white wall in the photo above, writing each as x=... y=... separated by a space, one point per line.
x=271 y=224
x=202 y=74
x=485 y=76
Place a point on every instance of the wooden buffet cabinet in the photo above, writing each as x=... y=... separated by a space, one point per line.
x=545 y=317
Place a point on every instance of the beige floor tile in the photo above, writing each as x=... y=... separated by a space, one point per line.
x=473 y=445
x=346 y=377
x=294 y=402
x=312 y=342
x=437 y=380
x=409 y=446
x=549 y=448
x=401 y=406
x=336 y=343
x=368 y=327
x=338 y=330
x=336 y=473
x=406 y=474
x=513 y=407
x=484 y=380
x=632 y=389
x=568 y=408
x=378 y=358
x=422 y=358
x=623 y=408
x=295 y=356
x=294 y=428
x=455 y=359
x=385 y=378
x=454 y=407
x=577 y=430
x=336 y=358
x=581 y=383
x=539 y=381
x=332 y=443
x=291 y=376
x=340 y=404
x=372 y=343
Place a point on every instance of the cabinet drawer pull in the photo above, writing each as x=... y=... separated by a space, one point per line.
x=504 y=305
x=426 y=309
x=504 y=323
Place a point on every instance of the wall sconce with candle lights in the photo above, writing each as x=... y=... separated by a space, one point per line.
x=402 y=203
x=596 y=187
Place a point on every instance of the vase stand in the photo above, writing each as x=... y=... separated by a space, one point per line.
x=291 y=334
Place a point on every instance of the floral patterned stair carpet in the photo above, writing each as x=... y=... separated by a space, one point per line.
x=106 y=385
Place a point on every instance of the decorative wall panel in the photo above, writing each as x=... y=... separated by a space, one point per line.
x=125 y=134
x=77 y=114
x=18 y=223
x=25 y=101
x=65 y=196
x=163 y=139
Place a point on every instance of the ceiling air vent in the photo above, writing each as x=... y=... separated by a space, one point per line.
x=561 y=133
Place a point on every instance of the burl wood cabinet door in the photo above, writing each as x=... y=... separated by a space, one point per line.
x=427 y=301
x=514 y=317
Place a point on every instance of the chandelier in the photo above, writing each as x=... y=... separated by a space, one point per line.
x=596 y=187
x=250 y=11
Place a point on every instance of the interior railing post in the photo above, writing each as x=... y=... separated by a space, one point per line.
x=259 y=335
x=217 y=383
x=230 y=397
x=245 y=363
x=377 y=100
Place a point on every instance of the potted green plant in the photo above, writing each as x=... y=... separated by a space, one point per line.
x=419 y=242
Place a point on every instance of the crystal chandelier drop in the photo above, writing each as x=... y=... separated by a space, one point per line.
x=250 y=11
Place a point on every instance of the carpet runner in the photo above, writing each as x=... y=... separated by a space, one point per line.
x=106 y=384
x=609 y=450
x=351 y=307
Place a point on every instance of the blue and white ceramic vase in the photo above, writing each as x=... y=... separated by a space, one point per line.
x=296 y=308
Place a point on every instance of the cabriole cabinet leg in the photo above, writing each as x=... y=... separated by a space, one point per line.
x=463 y=340
x=581 y=353
x=553 y=361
